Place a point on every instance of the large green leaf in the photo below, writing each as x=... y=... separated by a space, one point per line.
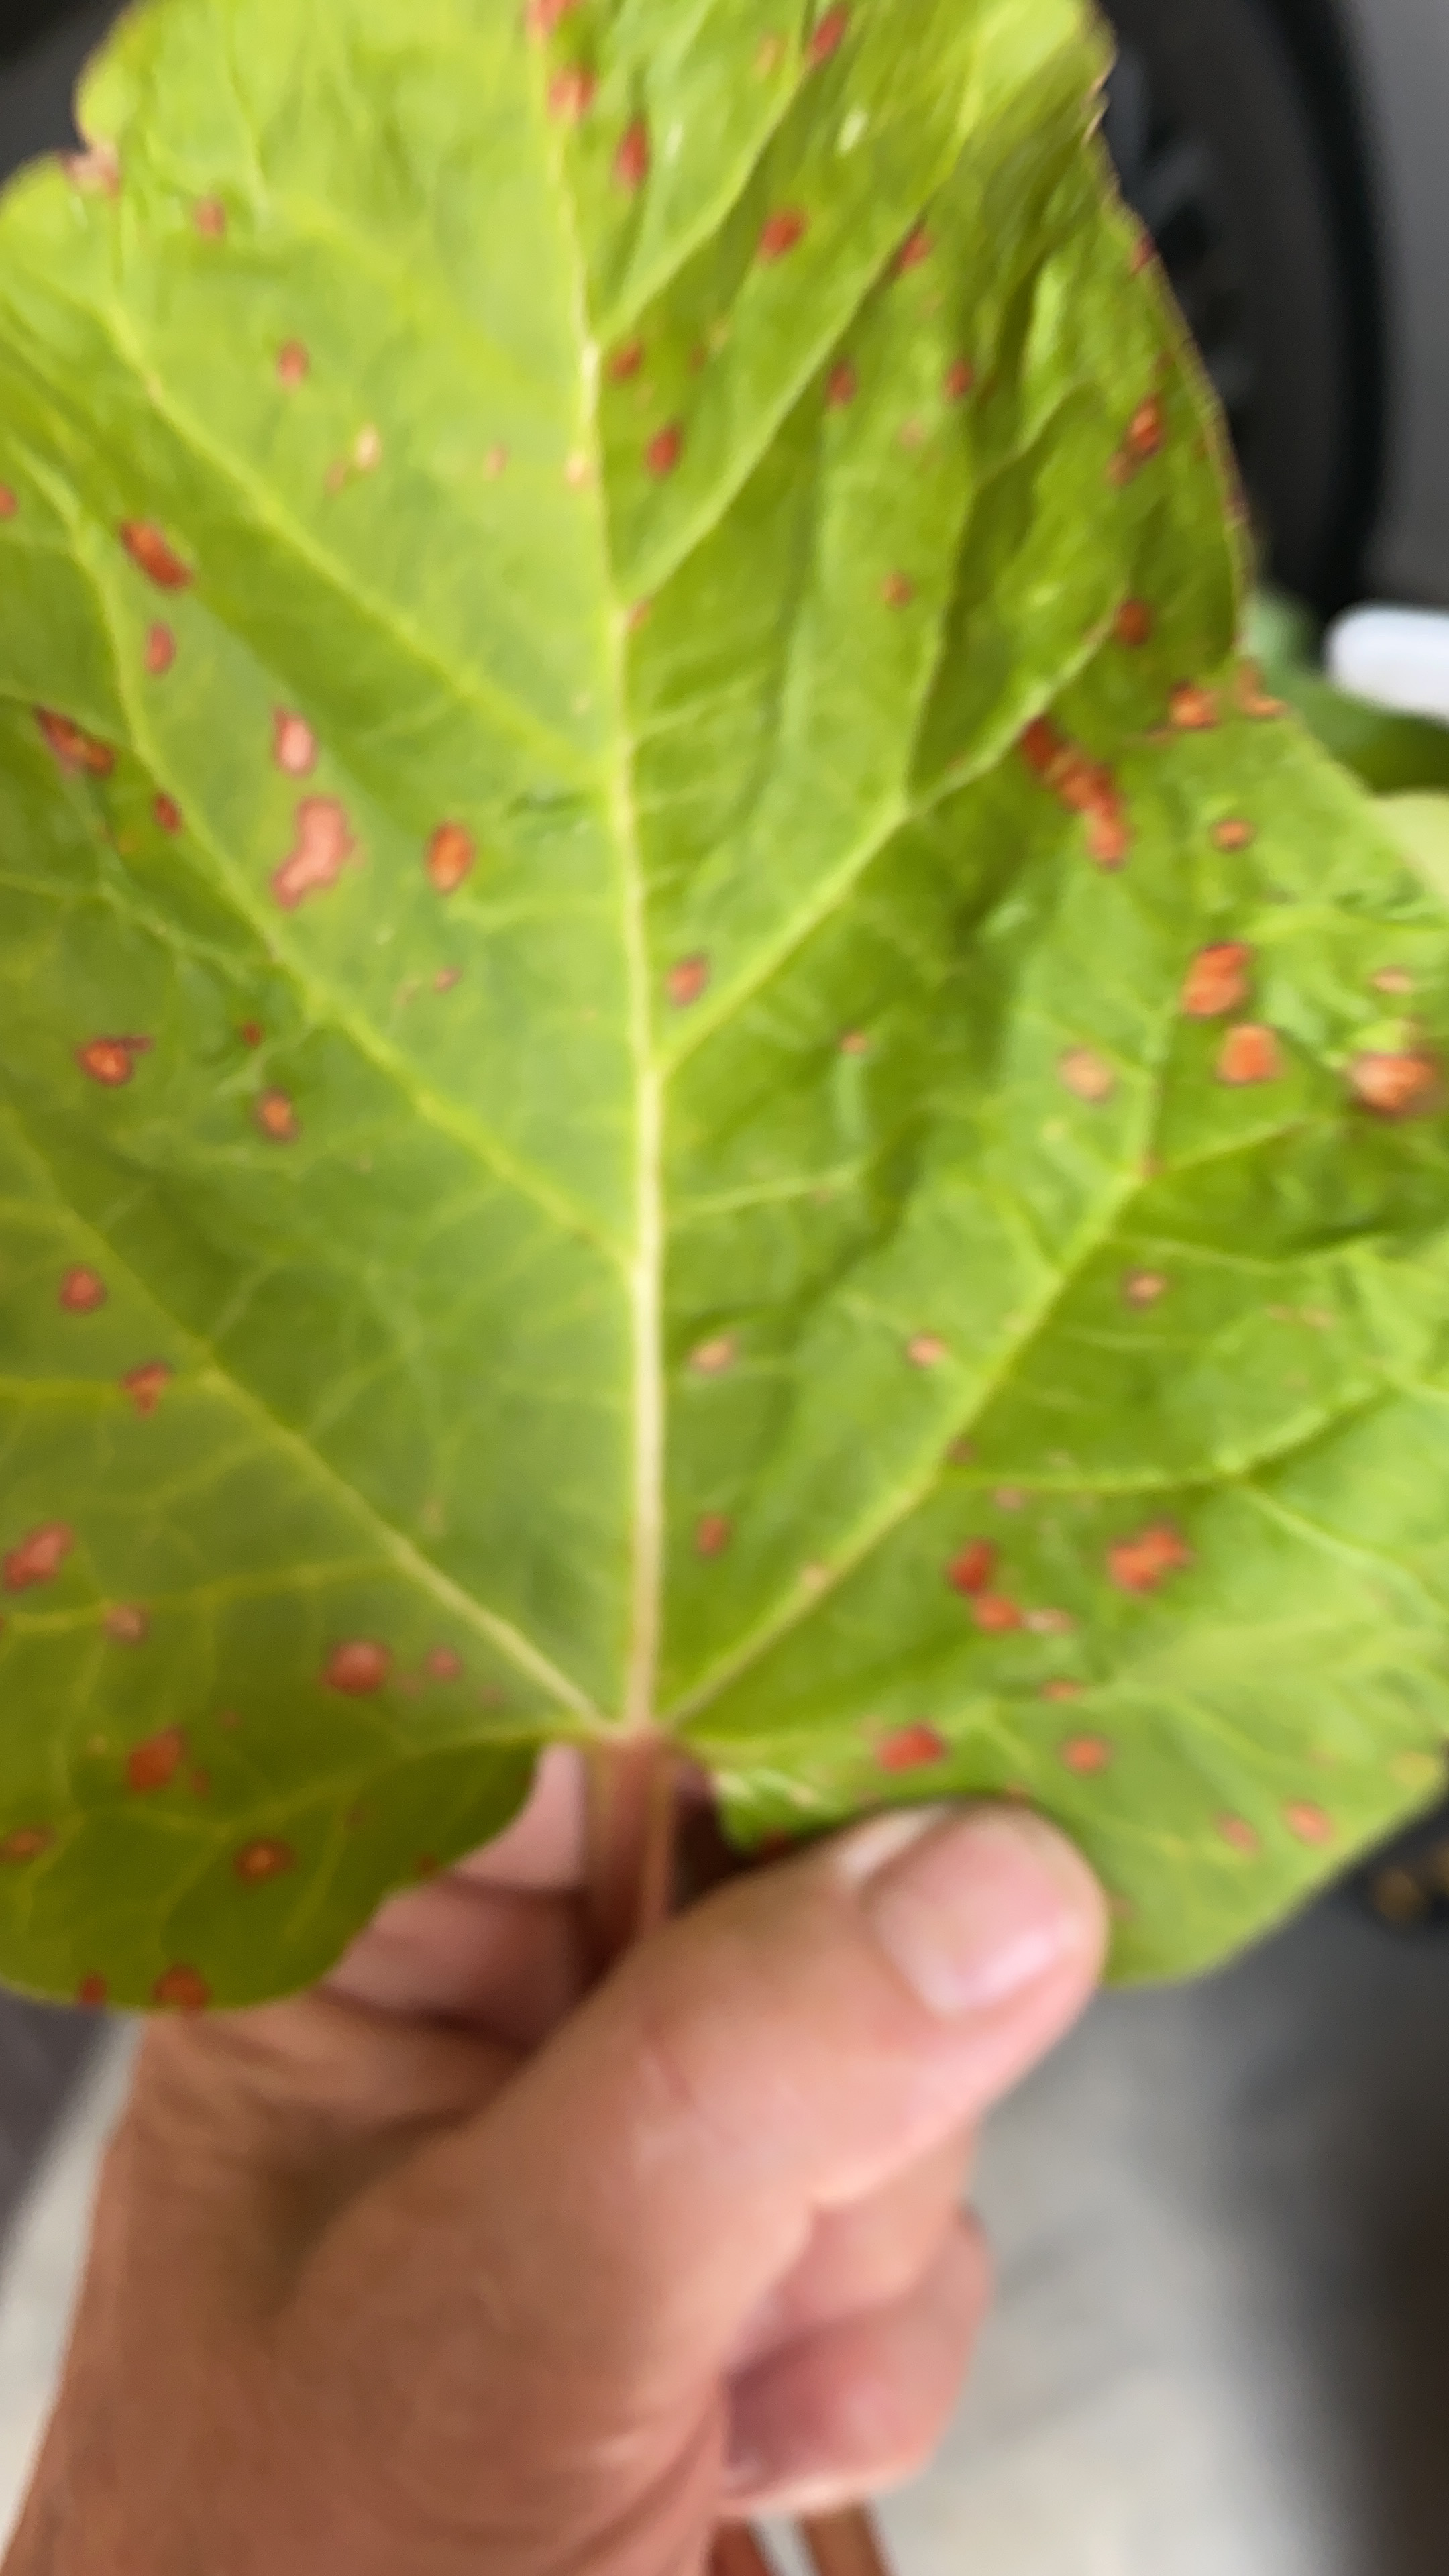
x=680 y=1047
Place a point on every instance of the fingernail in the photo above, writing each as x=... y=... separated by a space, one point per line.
x=972 y=1907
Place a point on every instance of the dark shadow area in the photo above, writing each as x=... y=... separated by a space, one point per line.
x=42 y=2057
x=36 y=89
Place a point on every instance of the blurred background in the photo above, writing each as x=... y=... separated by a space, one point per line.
x=1222 y=2214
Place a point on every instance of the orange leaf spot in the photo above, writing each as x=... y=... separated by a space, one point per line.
x=713 y=1535
x=1147 y=431
x=96 y=171
x=76 y=751
x=358 y=1668
x=855 y=1042
x=181 y=1989
x=827 y=36
x=443 y=1665
x=914 y=251
x=294 y=364
x=167 y=813
x=260 y=1861
x=1142 y=1563
x=898 y=590
x=294 y=744
x=711 y=1359
x=1218 y=980
x=1192 y=710
x=995 y=1616
x=664 y=451
x=1240 y=1836
x=82 y=1292
x=276 y=1115
x=1254 y=699
x=914 y=1748
x=452 y=853
x=154 y=1764
x=125 y=1625
x=251 y=1033
x=1086 y=1754
x=1109 y=836
x=960 y=380
x=93 y=1992
x=160 y=651
x=1061 y=1690
x=322 y=848
x=209 y=217
x=1134 y=624
x=687 y=981
x=971 y=1571
x=571 y=94
x=843 y=385
x=8 y=503
x=626 y=362
x=927 y=1351
x=27 y=1842
x=1143 y=1288
x=543 y=16
x=1234 y=834
x=154 y=555
x=1085 y=1076
x=147 y=1384
x=1249 y=1055
x=781 y=234
x=1396 y=1086
x=1309 y=1823
x=633 y=159
x=39 y=1557
x=111 y=1061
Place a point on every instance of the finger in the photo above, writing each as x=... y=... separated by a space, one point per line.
x=865 y=2256
x=860 y=2406
x=544 y=1849
x=800 y=2040
x=505 y=1964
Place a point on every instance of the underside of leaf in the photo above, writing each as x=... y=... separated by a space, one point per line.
x=681 y=1046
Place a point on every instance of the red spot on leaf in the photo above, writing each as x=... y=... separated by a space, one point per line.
x=543 y=16
x=167 y=813
x=1086 y=1076
x=713 y=1535
x=294 y=364
x=1396 y=1086
x=1240 y=1836
x=633 y=158
x=27 y=1842
x=1087 y=1755
x=971 y=1571
x=898 y=590
x=209 y=217
x=1254 y=699
x=39 y=1557
x=571 y=94
x=154 y=1764
x=452 y=853
x=82 y=1292
x=626 y=362
x=181 y=1989
x=781 y=233
x=1143 y=1289
x=443 y=1664
x=154 y=555
x=96 y=171
x=77 y=751
x=914 y=251
x=914 y=1748
x=1061 y=1690
x=843 y=385
x=276 y=1115
x=664 y=451
x=8 y=503
x=358 y=1669
x=1218 y=980
x=294 y=744
x=827 y=36
x=687 y=981
x=258 y=1862
x=995 y=1616
x=1109 y=836
x=1234 y=834
x=1144 y=1562
x=1146 y=431
x=160 y=651
x=926 y=1351
x=126 y=1625
x=1134 y=623
x=1191 y=709
x=711 y=1359
x=251 y=1033
x=323 y=846
x=960 y=380
x=1309 y=1823
x=855 y=1042
x=111 y=1061
x=93 y=1992
x=1050 y=1623
x=1249 y=1055
x=147 y=1384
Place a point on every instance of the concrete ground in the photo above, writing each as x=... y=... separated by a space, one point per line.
x=1221 y=2347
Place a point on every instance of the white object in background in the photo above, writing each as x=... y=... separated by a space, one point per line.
x=1394 y=657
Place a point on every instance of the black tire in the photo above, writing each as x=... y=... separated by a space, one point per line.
x=1240 y=163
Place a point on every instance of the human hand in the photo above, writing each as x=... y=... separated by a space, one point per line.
x=442 y=2270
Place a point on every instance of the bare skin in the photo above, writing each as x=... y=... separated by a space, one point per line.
x=451 y=2268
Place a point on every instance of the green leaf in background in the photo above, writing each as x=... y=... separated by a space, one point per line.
x=1392 y=753
x=681 y=1048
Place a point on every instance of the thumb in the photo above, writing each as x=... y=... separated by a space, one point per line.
x=782 y=2052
